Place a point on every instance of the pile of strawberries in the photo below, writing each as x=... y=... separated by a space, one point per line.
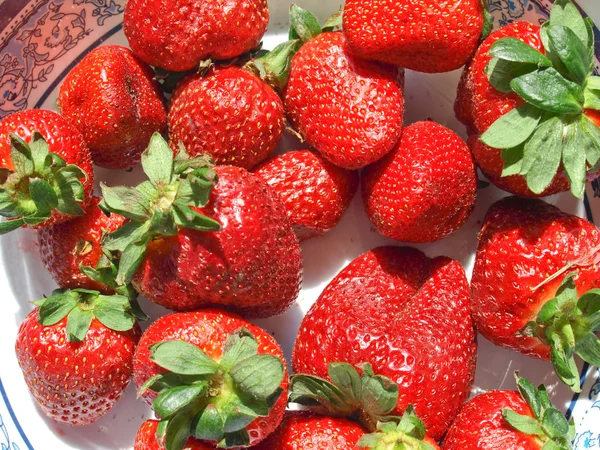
x=386 y=357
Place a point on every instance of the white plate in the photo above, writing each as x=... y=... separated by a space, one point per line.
x=41 y=40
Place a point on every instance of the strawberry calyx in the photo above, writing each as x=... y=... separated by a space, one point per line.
x=81 y=306
x=159 y=206
x=548 y=424
x=488 y=21
x=551 y=130
x=567 y=323
x=209 y=399
x=408 y=434
x=368 y=399
x=41 y=182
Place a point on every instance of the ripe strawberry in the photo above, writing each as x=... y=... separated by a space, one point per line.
x=425 y=188
x=65 y=247
x=524 y=420
x=426 y=36
x=408 y=316
x=251 y=263
x=230 y=113
x=178 y=35
x=302 y=430
x=211 y=375
x=146 y=439
x=351 y=111
x=112 y=98
x=76 y=353
x=315 y=192
x=532 y=106
x=46 y=174
x=524 y=294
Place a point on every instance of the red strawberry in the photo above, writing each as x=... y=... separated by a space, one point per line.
x=212 y=367
x=230 y=113
x=522 y=420
x=76 y=353
x=250 y=263
x=315 y=192
x=426 y=36
x=349 y=110
x=63 y=182
x=146 y=439
x=408 y=316
x=517 y=302
x=532 y=106
x=425 y=188
x=67 y=246
x=178 y=35
x=112 y=98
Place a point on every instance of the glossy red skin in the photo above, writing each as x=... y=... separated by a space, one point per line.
x=146 y=439
x=75 y=382
x=208 y=330
x=523 y=242
x=424 y=189
x=478 y=105
x=409 y=317
x=59 y=247
x=349 y=110
x=113 y=99
x=302 y=430
x=178 y=34
x=63 y=139
x=253 y=266
x=425 y=35
x=230 y=113
x=315 y=192
x=480 y=425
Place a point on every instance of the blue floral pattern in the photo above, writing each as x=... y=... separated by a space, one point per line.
x=5 y=438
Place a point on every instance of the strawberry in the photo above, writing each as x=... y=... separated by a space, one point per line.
x=46 y=174
x=426 y=36
x=76 y=353
x=425 y=188
x=409 y=317
x=533 y=288
x=211 y=375
x=229 y=113
x=250 y=263
x=524 y=420
x=349 y=110
x=112 y=98
x=147 y=439
x=315 y=192
x=66 y=247
x=530 y=97
x=178 y=35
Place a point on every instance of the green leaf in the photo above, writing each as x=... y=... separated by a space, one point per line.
x=157 y=160
x=548 y=90
x=554 y=423
x=346 y=378
x=111 y=311
x=513 y=128
x=71 y=194
x=237 y=439
x=565 y=13
x=178 y=431
x=513 y=160
x=11 y=225
x=78 y=324
x=238 y=417
x=319 y=393
x=304 y=23
x=186 y=217
x=542 y=155
x=590 y=45
x=515 y=50
x=125 y=201
x=591 y=99
x=239 y=346
x=500 y=73
x=39 y=152
x=171 y=401
x=334 y=22
x=72 y=171
x=530 y=394
x=524 y=424
x=571 y=50
x=258 y=376
x=588 y=348
x=564 y=364
x=182 y=358
x=210 y=425
x=589 y=302
x=56 y=308
x=43 y=196
x=379 y=394
x=593 y=132
x=129 y=233
x=130 y=260
x=575 y=145
x=411 y=424
x=274 y=67
x=21 y=157
x=488 y=24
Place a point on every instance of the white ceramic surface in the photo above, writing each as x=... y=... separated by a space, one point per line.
x=40 y=40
